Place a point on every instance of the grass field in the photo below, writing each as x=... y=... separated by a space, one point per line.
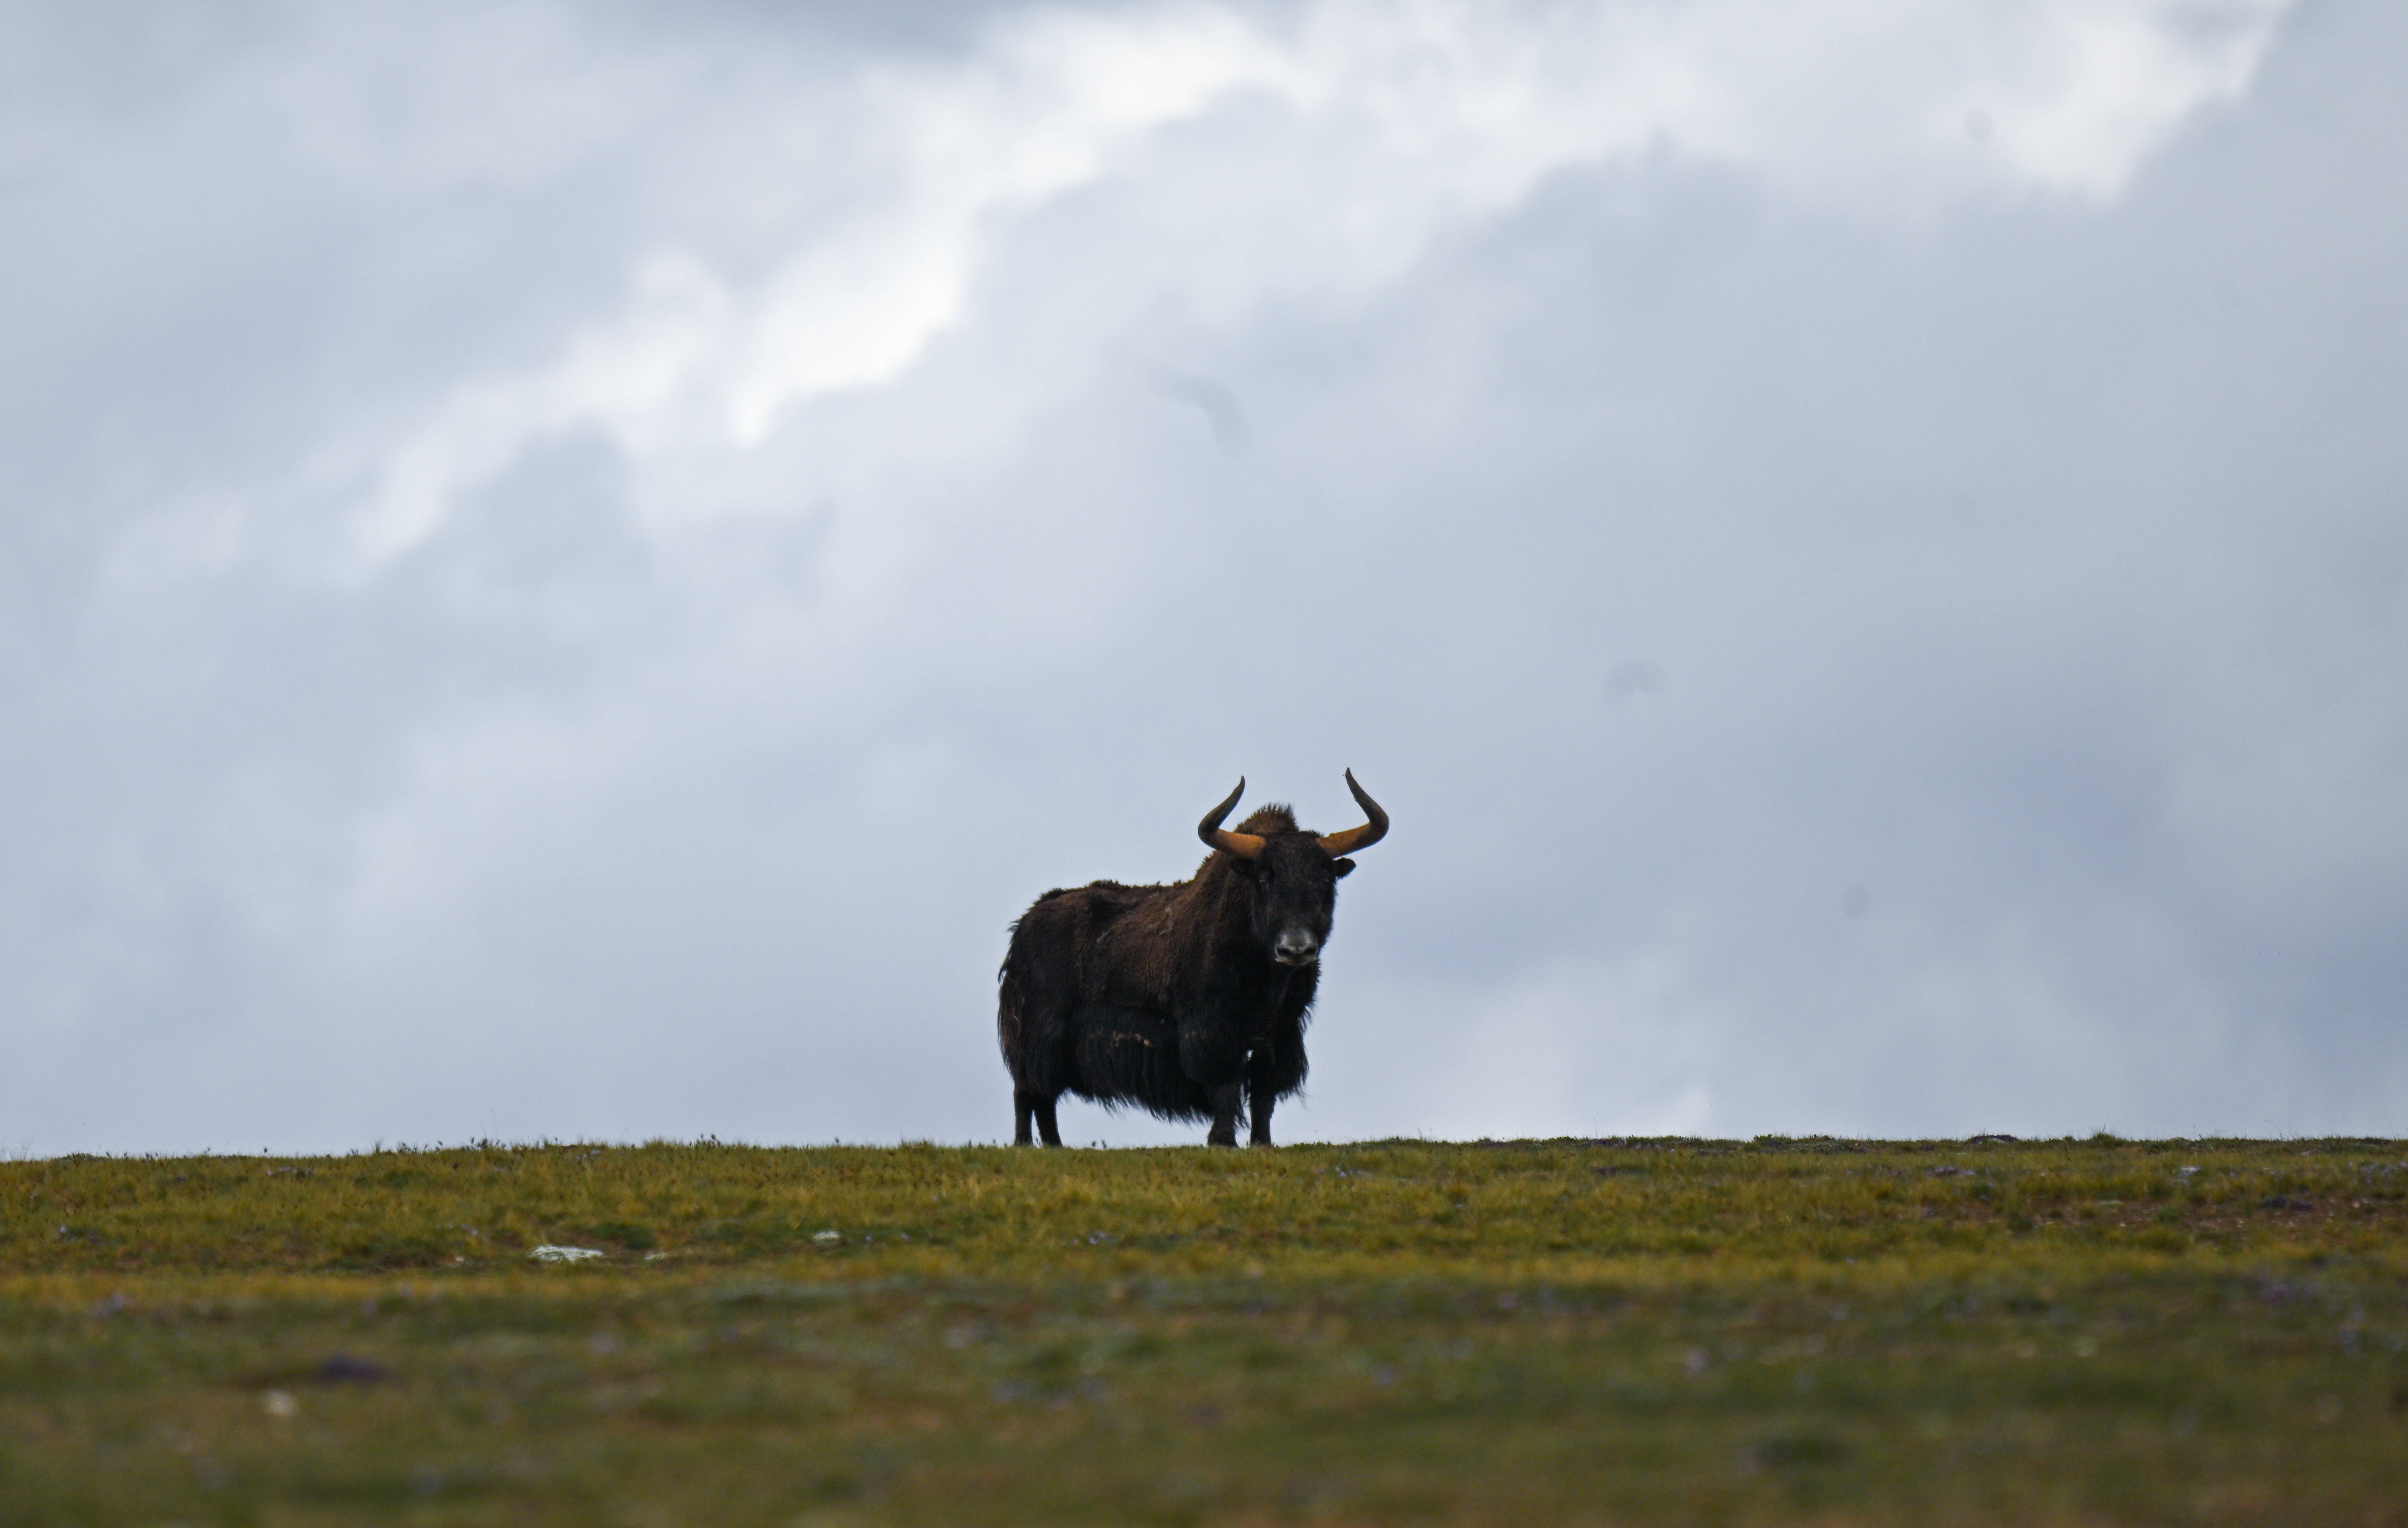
x=1640 y=1331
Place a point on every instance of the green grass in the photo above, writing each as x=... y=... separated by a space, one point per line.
x=1831 y=1332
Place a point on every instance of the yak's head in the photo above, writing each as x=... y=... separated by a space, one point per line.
x=1292 y=874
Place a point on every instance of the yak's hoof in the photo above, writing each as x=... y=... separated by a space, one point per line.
x=1221 y=1141
x=1262 y=1145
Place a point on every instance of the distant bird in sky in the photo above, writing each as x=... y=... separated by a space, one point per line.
x=1219 y=402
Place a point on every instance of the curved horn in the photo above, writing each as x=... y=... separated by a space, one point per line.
x=1356 y=837
x=1245 y=845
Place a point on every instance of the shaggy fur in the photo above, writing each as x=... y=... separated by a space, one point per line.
x=1168 y=997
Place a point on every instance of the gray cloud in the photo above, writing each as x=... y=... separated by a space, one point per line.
x=585 y=610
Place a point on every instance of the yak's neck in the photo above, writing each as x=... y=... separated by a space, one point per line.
x=1222 y=908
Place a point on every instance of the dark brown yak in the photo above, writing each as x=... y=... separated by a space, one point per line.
x=1187 y=1001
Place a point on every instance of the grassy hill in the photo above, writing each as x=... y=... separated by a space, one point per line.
x=1509 y=1333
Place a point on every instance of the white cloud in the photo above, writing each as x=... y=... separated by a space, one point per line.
x=1425 y=116
x=2107 y=84
x=1573 y=1045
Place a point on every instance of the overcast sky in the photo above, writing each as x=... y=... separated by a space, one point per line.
x=567 y=569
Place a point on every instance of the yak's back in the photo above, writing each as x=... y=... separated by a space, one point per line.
x=1100 y=900
x=1078 y=933
x=1063 y=925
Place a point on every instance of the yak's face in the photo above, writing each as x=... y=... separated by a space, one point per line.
x=1294 y=883
x=1291 y=876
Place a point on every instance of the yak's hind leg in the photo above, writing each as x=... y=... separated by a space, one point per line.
x=1036 y=1018
x=1026 y=1105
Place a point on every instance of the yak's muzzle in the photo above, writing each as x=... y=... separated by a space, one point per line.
x=1295 y=948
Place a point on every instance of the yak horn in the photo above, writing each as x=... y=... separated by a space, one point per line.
x=1245 y=845
x=1356 y=837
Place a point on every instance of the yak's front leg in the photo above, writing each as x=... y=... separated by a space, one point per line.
x=1258 y=1110
x=1224 y=1115
x=1275 y=1070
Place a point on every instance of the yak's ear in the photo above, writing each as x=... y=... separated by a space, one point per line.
x=1339 y=867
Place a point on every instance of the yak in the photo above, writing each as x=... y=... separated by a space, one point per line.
x=1189 y=999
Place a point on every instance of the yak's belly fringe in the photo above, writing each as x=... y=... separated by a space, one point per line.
x=1121 y=1065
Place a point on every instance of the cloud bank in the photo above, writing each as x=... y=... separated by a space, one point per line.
x=569 y=570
